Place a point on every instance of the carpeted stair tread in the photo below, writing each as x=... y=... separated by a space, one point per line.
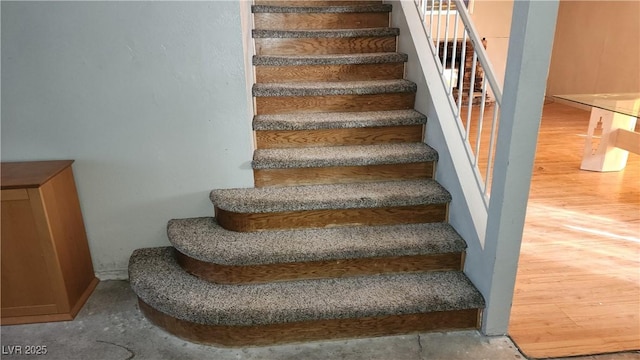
x=369 y=8
x=331 y=196
x=331 y=59
x=355 y=155
x=203 y=239
x=333 y=33
x=161 y=283
x=337 y=120
x=334 y=88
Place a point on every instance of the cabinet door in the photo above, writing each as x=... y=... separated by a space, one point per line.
x=27 y=288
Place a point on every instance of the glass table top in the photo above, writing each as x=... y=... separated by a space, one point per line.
x=623 y=103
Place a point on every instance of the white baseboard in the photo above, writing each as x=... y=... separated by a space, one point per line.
x=117 y=274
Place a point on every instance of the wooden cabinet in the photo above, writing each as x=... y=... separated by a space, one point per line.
x=47 y=274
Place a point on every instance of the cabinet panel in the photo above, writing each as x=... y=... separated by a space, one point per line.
x=26 y=285
x=62 y=207
x=15 y=194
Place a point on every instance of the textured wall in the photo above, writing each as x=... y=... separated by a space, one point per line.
x=149 y=98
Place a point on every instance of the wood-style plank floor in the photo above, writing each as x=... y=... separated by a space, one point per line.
x=578 y=283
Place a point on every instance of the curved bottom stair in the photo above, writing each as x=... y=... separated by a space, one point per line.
x=295 y=311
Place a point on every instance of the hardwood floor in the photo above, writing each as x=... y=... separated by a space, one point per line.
x=578 y=283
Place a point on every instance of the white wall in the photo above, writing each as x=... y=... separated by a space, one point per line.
x=492 y=20
x=149 y=99
x=596 y=48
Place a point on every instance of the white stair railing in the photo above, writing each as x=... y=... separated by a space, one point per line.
x=468 y=79
x=508 y=158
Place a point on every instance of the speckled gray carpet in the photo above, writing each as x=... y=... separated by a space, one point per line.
x=368 y=8
x=337 y=33
x=160 y=282
x=331 y=59
x=333 y=88
x=338 y=120
x=205 y=240
x=332 y=196
x=355 y=155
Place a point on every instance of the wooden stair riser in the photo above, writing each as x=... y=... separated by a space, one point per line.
x=272 y=139
x=316 y=2
x=333 y=103
x=253 y=274
x=260 y=335
x=343 y=174
x=317 y=21
x=324 y=46
x=333 y=217
x=313 y=73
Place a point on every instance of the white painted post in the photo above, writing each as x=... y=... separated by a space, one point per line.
x=530 y=44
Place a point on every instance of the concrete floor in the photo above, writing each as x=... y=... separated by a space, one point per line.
x=111 y=327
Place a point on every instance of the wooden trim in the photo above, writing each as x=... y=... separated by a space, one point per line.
x=324 y=46
x=247 y=274
x=333 y=217
x=14 y=195
x=34 y=319
x=9 y=317
x=269 y=139
x=259 y=335
x=342 y=174
x=316 y=2
x=17 y=312
x=310 y=73
x=84 y=297
x=66 y=225
x=38 y=206
x=315 y=21
x=627 y=140
x=30 y=174
x=333 y=103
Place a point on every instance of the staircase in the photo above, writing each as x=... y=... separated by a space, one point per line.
x=345 y=233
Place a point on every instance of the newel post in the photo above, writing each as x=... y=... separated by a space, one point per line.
x=530 y=44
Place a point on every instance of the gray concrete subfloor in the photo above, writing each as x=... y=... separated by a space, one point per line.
x=111 y=327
